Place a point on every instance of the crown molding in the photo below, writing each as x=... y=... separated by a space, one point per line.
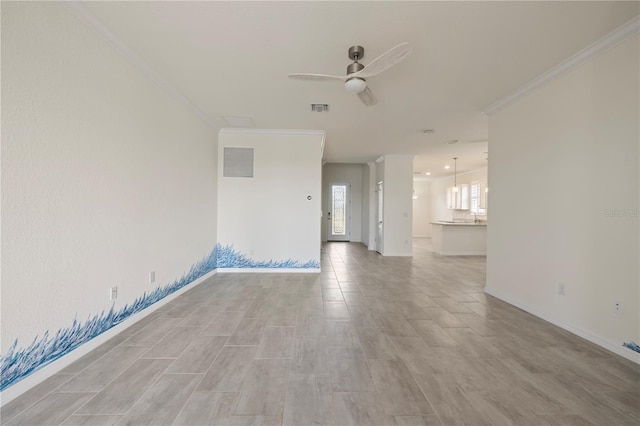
x=245 y=131
x=399 y=156
x=81 y=12
x=385 y=156
x=467 y=172
x=324 y=138
x=625 y=31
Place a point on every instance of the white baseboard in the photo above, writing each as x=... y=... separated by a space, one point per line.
x=397 y=254
x=367 y=246
x=270 y=270
x=464 y=253
x=49 y=370
x=606 y=344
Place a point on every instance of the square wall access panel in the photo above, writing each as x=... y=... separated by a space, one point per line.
x=238 y=162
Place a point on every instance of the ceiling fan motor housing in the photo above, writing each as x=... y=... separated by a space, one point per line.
x=356 y=53
x=354 y=67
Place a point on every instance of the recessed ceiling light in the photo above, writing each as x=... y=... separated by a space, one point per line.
x=428 y=131
x=428 y=173
x=447 y=166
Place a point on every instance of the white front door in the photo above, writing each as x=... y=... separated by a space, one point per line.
x=339 y=210
x=379 y=219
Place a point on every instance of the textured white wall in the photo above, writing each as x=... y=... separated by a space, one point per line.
x=268 y=216
x=398 y=208
x=365 y=206
x=562 y=160
x=104 y=177
x=351 y=173
x=421 y=208
x=369 y=209
x=379 y=177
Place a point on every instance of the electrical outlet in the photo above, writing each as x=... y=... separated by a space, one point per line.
x=113 y=293
x=561 y=289
x=152 y=277
x=617 y=307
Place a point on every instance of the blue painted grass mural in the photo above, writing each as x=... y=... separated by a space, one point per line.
x=633 y=346
x=228 y=257
x=20 y=362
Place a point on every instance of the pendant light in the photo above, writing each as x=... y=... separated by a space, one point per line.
x=455 y=169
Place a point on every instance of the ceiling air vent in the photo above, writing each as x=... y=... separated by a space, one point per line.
x=320 y=107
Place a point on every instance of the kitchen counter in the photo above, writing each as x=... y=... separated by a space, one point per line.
x=459 y=238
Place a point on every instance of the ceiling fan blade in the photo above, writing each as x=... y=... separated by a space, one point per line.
x=385 y=61
x=317 y=77
x=367 y=97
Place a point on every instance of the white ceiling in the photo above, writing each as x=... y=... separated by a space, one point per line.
x=232 y=58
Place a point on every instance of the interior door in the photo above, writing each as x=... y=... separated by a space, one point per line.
x=338 y=216
x=379 y=219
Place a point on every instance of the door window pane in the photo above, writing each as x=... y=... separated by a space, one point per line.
x=338 y=211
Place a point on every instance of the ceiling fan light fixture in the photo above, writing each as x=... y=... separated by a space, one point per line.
x=357 y=72
x=455 y=173
x=355 y=85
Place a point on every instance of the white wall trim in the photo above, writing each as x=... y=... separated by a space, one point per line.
x=324 y=137
x=463 y=253
x=606 y=344
x=610 y=40
x=270 y=270
x=80 y=12
x=397 y=254
x=395 y=156
x=373 y=201
x=245 y=131
x=49 y=370
x=468 y=172
x=364 y=244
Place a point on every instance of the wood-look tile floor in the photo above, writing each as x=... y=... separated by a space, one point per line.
x=369 y=341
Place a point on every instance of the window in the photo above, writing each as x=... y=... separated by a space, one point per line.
x=339 y=207
x=477 y=198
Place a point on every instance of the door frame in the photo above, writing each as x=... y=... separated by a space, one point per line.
x=379 y=216
x=329 y=206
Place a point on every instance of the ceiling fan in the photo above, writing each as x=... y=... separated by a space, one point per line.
x=357 y=73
